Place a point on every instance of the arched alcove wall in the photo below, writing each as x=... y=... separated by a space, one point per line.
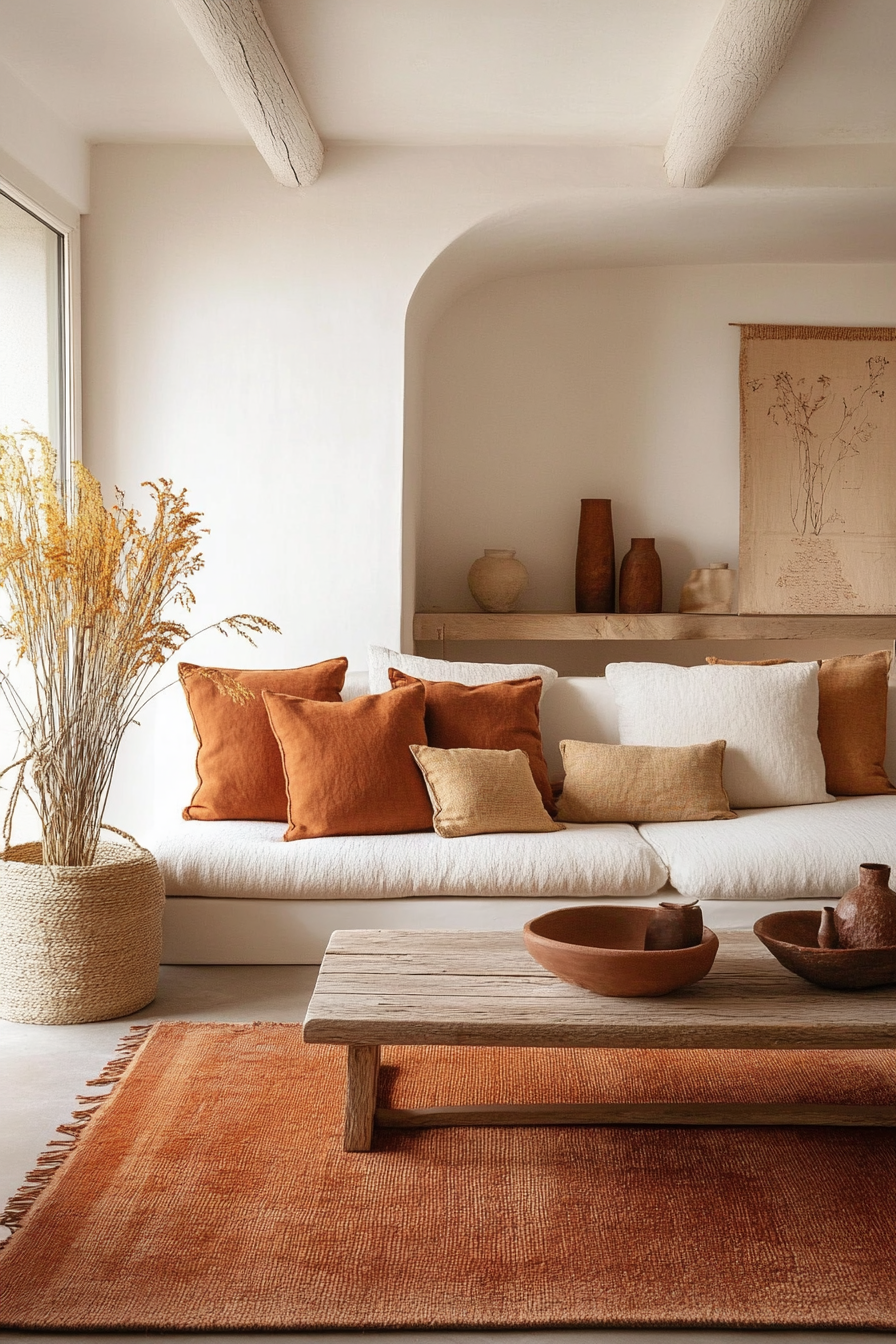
x=536 y=377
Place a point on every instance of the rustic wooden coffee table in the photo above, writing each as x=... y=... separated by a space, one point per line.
x=382 y=987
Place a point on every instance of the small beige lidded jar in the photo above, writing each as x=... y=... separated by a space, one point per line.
x=709 y=590
x=497 y=579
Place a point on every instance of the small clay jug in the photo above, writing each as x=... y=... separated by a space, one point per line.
x=641 y=578
x=827 y=929
x=674 y=926
x=866 y=916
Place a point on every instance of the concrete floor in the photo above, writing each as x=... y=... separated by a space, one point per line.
x=44 y=1068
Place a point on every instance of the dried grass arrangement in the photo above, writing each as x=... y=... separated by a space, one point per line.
x=90 y=596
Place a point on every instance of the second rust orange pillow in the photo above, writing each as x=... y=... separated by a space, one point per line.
x=238 y=760
x=349 y=769
x=852 y=720
x=498 y=716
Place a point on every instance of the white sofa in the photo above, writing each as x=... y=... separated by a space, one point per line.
x=238 y=894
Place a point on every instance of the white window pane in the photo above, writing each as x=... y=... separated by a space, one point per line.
x=29 y=322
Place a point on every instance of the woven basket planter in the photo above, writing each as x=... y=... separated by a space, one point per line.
x=79 y=944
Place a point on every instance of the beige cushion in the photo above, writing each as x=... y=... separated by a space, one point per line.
x=478 y=792
x=639 y=784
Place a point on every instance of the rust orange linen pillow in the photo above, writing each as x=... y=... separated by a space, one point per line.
x=852 y=720
x=238 y=760
x=498 y=716
x=348 y=768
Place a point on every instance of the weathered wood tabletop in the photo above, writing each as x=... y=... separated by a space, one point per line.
x=448 y=987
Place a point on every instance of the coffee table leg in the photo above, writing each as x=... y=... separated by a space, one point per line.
x=362 y=1072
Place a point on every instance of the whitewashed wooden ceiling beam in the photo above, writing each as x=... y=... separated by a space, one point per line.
x=746 y=49
x=238 y=45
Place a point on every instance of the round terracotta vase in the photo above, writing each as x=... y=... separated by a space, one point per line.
x=866 y=916
x=79 y=944
x=497 y=579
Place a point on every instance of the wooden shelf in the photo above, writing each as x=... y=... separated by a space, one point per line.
x=547 y=625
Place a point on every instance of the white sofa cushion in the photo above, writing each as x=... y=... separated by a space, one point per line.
x=379 y=660
x=768 y=716
x=356 y=683
x=249 y=859
x=775 y=853
x=580 y=708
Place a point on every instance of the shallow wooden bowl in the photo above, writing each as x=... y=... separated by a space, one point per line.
x=792 y=937
x=601 y=948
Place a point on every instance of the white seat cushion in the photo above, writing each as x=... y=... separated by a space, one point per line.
x=240 y=859
x=773 y=853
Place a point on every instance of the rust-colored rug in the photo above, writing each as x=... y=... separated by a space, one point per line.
x=211 y=1192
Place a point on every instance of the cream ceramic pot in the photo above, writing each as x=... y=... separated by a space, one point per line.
x=497 y=579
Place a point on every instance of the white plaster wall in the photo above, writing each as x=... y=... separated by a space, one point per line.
x=250 y=342
x=622 y=383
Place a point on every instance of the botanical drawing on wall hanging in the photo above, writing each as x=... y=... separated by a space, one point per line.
x=818 y=470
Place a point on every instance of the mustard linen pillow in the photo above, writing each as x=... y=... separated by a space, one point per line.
x=635 y=784
x=477 y=791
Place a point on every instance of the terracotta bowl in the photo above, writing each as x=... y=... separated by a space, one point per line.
x=792 y=937
x=601 y=948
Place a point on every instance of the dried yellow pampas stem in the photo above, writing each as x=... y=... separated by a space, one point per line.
x=88 y=595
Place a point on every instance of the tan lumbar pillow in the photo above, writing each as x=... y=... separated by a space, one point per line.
x=635 y=784
x=477 y=791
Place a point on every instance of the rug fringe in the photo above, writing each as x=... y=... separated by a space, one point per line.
x=49 y=1162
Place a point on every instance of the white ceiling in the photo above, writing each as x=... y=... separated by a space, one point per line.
x=602 y=72
x=116 y=69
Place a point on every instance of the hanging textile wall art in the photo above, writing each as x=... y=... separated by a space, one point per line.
x=818 y=470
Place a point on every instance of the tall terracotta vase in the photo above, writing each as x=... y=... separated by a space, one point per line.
x=596 y=558
x=641 y=578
